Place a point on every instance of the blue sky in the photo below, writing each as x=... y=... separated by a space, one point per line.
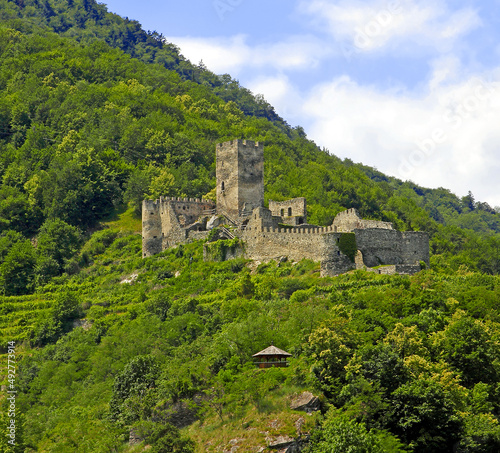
x=409 y=87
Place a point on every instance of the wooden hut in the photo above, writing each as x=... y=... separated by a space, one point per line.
x=271 y=356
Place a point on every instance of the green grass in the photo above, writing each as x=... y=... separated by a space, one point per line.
x=252 y=426
x=124 y=220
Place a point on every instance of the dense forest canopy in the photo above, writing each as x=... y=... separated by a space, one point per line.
x=97 y=114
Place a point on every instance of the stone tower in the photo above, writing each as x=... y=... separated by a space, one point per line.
x=240 y=177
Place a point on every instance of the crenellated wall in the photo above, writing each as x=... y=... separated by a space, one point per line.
x=350 y=220
x=166 y=221
x=316 y=244
x=349 y=243
x=268 y=243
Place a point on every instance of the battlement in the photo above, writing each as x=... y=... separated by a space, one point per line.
x=350 y=220
x=281 y=229
x=183 y=200
x=305 y=230
x=240 y=144
x=353 y=212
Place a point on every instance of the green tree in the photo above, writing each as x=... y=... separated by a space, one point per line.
x=339 y=434
x=7 y=240
x=58 y=240
x=137 y=188
x=424 y=416
x=331 y=349
x=14 y=209
x=470 y=347
x=134 y=390
x=18 y=269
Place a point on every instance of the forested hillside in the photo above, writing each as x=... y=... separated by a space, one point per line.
x=97 y=114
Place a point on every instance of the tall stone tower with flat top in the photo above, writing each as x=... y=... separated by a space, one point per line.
x=240 y=177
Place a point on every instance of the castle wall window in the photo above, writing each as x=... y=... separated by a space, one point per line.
x=282 y=213
x=222 y=186
x=289 y=212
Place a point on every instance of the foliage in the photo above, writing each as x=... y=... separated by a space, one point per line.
x=347 y=245
x=339 y=434
x=18 y=269
x=163 y=438
x=218 y=250
x=49 y=329
x=380 y=348
x=108 y=340
x=133 y=388
x=58 y=240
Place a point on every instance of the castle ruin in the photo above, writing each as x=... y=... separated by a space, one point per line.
x=280 y=230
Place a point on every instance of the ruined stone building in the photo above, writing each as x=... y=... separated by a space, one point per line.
x=280 y=230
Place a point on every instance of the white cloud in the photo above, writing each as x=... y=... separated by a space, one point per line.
x=376 y=24
x=444 y=139
x=279 y=91
x=444 y=134
x=232 y=55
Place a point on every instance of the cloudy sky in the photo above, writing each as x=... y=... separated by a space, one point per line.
x=409 y=87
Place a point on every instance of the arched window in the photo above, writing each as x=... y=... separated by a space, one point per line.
x=289 y=212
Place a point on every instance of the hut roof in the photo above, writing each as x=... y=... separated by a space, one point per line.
x=272 y=350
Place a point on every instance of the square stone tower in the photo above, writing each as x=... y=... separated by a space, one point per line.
x=240 y=177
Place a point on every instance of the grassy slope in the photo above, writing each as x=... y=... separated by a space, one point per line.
x=212 y=312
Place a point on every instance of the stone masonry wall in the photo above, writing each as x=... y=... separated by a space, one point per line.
x=415 y=247
x=349 y=220
x=161 y=221
x=240 y=176
x=262 y=218
x=295 y=207
x=190 y=209
x=151 y=228
x=381 y=246
x=318 y=244
x=172 y=231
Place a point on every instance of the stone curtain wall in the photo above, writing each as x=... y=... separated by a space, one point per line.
x=392 y=247
x=316 y=244
x=415 y=247
x=272 y=243
x=190 y=208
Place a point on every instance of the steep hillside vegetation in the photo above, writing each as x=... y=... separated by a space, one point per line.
x=141 y=345
x=84 y=128
x=95 y=115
